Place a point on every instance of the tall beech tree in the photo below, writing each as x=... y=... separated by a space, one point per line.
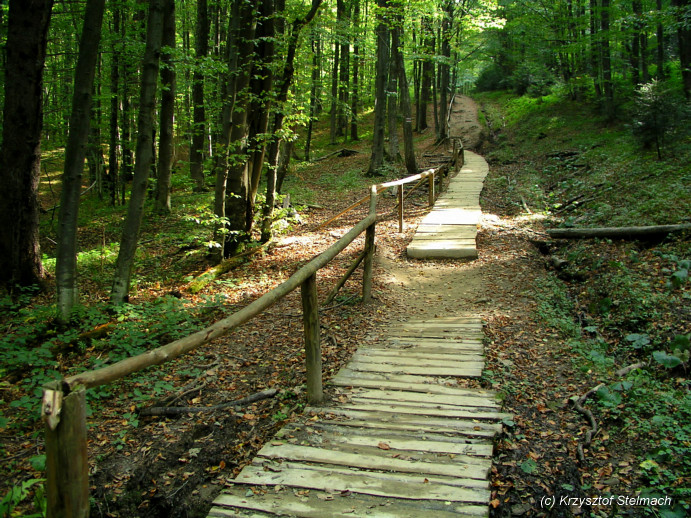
x=75 y=153
x=166 y=144
x=20 y=155
x=199 y=134
x=143 y=154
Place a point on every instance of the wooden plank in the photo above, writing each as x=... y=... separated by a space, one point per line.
x=344 y=416
x=437 y=342
x=472 y=409
x=443 y=326
x=286 y=465
x=413 y=445
x=459 y=361
x=432 y=382
x=470 y=329
x=321 y=504
x=352 y=379
x=412 y=354
x=475 y=434
x=472 y=370
x=399 y=395
x=358 y=482
x=426 y=411
x=376 y=462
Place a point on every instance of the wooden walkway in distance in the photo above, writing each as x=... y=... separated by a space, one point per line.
x=403 y=439
x=449 y=230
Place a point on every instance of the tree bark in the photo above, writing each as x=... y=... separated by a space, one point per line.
x=167 y=112
x=382 y=37
x=20 y=156
x=201 y=45
x=144 y=155
x=283 y=82
x=684 y=37
x=631 y=233
x=75 y=153
x=408 y=148
x=355 y=98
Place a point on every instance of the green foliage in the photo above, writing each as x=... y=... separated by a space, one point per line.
x=659 y=111
x=31 y=350
x=18 y=493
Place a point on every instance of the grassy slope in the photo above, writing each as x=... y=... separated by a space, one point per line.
x=611 y=304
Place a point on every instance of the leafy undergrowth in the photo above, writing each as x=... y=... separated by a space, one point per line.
x=174 y=466
x=591 y=309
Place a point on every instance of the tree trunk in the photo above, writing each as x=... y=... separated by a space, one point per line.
x=651 y=232
x=344 y=70
x=444 y=71
x=283 y=82
x=114 y=146
x=595 y=56
x=607 y=60
x=409 y=149
x=684 y=37
x=427 y=37
x=314 y=43
x=201 y=46
x=660 y=54
x=167 y=112
x=143 y=160
x=382 y=38
x=355 y=98
x=20 y=156
x=333 y=114
x=75 y=153
x=394 y=152
x=238 y=185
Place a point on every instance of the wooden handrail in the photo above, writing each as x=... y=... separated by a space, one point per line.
x=64 y=401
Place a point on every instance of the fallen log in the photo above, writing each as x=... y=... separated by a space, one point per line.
x=213 y=273
x=179 y=410
x=341 y=153
x=629 y=233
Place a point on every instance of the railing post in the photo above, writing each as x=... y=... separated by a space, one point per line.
x=430 y=181
x=400 y=208
x=369 y=249
x=67 y=468
x=313 y=354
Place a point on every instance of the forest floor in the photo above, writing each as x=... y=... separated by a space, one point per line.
x=173 y=466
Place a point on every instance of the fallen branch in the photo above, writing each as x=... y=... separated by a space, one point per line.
x=578 y=405
x=341 y=152
x=625 y=370
x=213 y=273
x=632 y=233
x=179 y=410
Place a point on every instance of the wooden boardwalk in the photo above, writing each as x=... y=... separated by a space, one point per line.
x=403 y=439
x=449 y=230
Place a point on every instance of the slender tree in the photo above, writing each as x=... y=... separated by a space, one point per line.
x=20 y=156
x=167 y=112
x=144 y=155
x=383 y=38
x=66 y=265
x=201 y=44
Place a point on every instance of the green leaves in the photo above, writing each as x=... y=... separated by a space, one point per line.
x=666 y=360
x=529 y=466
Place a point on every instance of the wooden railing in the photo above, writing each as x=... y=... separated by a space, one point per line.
x=64 y=402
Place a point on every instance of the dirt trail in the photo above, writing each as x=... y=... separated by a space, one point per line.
x=442 y=287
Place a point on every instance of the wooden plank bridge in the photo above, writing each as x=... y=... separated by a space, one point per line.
x=450 y=229
x=404 y=439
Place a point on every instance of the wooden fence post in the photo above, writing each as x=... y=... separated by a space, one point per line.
x=400 y=208
x=430 y=181
x=369 y=250
x=313 y=355
x=67 y=468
